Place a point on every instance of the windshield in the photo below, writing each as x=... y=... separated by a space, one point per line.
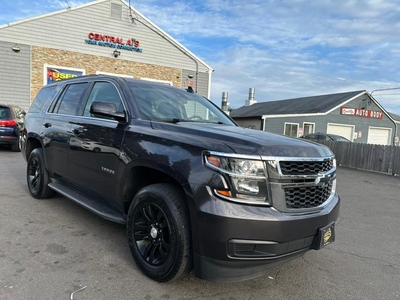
x=165 y=103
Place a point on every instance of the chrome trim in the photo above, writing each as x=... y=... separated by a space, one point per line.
x=233 y=155
x=234 y=174
x=238 y=200
x=283 y=158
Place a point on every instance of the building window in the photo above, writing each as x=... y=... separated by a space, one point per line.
x=291 y=129
x=308 y=128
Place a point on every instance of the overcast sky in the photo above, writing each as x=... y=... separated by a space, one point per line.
x=283 y=48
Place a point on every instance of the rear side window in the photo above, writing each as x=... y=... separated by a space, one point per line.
x=5 y=113
x=41 y=99
x=71 y=98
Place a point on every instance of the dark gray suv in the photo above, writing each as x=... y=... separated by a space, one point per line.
x=193 y=188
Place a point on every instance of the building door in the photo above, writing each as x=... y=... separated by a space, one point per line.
x=379 y=136
x=342 y=130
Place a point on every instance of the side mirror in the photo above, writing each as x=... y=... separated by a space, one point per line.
x=106 y=109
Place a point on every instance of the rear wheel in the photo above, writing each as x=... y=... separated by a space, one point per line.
x=16 y=147
x=37 y=176
x=158 y=232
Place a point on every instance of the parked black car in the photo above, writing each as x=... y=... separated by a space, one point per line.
x=11 y=122
x=192 y=187
x=320 y=137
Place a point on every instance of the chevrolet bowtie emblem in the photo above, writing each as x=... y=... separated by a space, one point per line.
x=322 y=178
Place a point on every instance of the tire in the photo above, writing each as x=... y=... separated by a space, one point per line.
x=37 y=176
x=16 y=147
x=158 y=232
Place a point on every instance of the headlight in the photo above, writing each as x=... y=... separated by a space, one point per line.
x=247 y=177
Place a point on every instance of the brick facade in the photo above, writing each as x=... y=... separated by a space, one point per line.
x=93 y=63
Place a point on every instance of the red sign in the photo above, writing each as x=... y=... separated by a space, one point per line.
x=113 y=39
x=189 y=83
x=358 y=112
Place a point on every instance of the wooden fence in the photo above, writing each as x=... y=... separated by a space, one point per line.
x=385 y=159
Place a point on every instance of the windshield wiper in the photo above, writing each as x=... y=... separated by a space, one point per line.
x=170 y=120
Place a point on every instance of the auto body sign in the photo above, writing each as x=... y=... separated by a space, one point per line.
x=358 y=112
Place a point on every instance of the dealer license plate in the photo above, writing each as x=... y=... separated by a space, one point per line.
x=326 y=235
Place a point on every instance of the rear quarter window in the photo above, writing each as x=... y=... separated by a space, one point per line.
x=44 y=95
x=5 y=113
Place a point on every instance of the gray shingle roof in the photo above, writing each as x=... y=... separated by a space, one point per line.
x=305 y=105
x=395 y=117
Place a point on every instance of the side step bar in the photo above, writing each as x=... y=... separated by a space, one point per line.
x=90 y=203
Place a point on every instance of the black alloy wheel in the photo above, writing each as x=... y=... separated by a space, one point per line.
x=152 y=233
x=34 y=178
x=158 y=232
x=37 y=177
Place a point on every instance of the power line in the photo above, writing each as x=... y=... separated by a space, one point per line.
x=396 y=88
x=389 y=94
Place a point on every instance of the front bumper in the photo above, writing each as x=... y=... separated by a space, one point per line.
x=234 y=242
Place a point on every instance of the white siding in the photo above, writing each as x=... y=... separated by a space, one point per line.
x=15 y=75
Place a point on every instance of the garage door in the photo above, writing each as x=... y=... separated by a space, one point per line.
x=342 y=130
x=379 y=136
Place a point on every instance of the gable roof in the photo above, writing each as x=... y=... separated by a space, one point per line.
x=395 y=117
x=155 y=28
x=305 y=105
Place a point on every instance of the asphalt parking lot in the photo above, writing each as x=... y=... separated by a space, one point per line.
x=51 y=248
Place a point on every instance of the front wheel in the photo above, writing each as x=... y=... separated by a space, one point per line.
x=158 y=232
x=37 y=177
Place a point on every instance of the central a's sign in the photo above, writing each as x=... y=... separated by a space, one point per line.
x=113 y=39
x=113 y=42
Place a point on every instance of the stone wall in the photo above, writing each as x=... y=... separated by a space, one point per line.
x=92 y=64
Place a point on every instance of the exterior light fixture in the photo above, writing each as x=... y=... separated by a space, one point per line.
x=190 y=76
x=116 y=53
x=16 y=48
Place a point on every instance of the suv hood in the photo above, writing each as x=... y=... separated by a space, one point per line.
x=245 y=141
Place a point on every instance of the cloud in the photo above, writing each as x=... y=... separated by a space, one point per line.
x=23 y=9
x=283 y=48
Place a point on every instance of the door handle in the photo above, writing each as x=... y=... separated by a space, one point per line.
x=79 y=130
x=47 y=125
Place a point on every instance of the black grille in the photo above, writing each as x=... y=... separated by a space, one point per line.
x=307 y=196
x=305 y=167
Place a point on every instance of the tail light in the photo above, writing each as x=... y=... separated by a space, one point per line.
x=8 y=123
